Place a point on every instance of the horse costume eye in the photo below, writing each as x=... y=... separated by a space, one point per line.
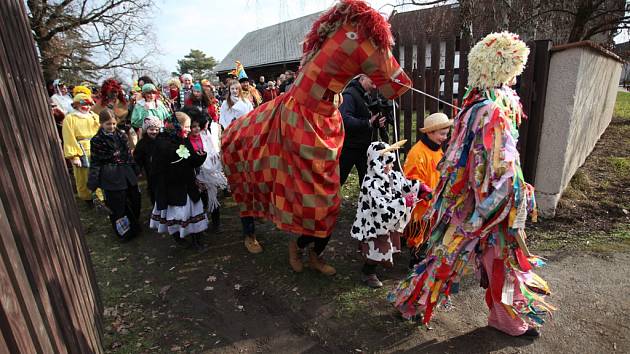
x=352 y=35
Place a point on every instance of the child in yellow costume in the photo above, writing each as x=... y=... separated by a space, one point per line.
x=78 y=128
x=421 y=165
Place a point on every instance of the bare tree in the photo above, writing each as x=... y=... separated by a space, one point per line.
x=80 y=37
x=567 y=21
x=562 y=21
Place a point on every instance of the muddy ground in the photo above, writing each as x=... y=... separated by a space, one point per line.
x=160 y=298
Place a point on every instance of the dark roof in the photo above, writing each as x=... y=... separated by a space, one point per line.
x=623 y=50
x=279 y=43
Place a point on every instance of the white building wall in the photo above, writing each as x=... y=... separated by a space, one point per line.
x=581 y=94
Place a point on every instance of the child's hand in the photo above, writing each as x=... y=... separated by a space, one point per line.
x=200 y=185
x=425 y=192
x=409 y=200
x=76 y=162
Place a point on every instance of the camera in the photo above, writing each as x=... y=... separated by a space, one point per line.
x=380 y=105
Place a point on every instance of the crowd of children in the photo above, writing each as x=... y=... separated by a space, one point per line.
x=170 y=138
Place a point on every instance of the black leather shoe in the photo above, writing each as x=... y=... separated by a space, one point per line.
x=531 y=333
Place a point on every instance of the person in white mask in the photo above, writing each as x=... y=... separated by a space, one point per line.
x=234 y=105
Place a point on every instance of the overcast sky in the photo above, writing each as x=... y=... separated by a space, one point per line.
x=215 y=26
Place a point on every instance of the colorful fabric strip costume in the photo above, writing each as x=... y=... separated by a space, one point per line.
x=481 y=203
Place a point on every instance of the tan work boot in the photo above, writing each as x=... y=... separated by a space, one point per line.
x=295 y=257
x=318 y=264
x=252 y=245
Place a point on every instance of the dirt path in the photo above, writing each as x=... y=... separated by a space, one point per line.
x=159 y=298
x=592 y=315
x=163 y=299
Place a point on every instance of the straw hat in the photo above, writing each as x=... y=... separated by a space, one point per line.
x=436 y=121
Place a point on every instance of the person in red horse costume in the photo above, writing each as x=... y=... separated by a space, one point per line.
x=282 y=159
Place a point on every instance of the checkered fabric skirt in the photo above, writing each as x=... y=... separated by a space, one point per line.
x=282 y=164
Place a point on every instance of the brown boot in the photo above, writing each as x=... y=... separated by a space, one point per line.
x=252 y=244
x=295 y=257
x=318 y=264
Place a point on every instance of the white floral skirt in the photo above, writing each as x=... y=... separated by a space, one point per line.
x=187 y=219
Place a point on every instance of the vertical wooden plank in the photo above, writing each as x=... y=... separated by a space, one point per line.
x=435 y=74
x=68 y=292
x=14 y=105
x=541 y=75
x=419 y=83
x=407 y=100
x=449 y=70
x=525 y=91
x=59 y=250
x=43 y=257
x=464 y=47
x=397 y=101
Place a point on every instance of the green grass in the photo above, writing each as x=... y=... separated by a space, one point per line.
x=597 y=242
x=621 y=165
x=622 y=106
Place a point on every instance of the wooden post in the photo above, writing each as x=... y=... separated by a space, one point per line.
x=434 y=90
x=464 y=47
x=407 y=100
x=420 y=84
x=537 y=108
x=50 y=300
x=449 y=69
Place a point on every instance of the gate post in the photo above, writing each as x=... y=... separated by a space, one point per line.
x=49 y=295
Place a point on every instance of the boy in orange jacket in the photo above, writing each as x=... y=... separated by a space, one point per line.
x=421 y=164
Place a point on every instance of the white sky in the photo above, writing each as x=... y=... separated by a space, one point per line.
x=216 y=26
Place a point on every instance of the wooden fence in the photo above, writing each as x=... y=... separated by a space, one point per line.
x=49 y=300
x=437 y=65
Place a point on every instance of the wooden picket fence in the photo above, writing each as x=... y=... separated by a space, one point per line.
x=444 y=75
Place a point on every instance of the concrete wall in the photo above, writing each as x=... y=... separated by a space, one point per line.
x=581 y=94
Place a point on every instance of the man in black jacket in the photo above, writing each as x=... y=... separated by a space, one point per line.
x=358 y=123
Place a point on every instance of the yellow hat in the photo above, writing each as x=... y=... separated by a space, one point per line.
x=81 y=89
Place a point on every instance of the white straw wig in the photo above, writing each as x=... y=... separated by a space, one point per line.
x=495 y=60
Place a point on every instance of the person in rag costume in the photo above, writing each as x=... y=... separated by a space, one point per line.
x=481 y=203
x=384 y=208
